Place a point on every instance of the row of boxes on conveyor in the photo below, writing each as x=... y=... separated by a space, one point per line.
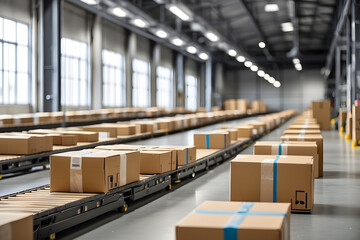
x=42 y=140
x=350 y=121
x=106 y=167
x=243 y=105
x=86 y=115
x=264 y=188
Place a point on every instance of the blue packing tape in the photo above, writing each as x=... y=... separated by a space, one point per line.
x=207 y=141
x=187 y=156
x=231 y=227
x=280 y=149
x=275 y=179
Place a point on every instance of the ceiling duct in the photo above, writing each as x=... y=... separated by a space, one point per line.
x=294 y=52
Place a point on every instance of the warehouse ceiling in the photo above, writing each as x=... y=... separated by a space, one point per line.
x=245 y=23
x=300 y=29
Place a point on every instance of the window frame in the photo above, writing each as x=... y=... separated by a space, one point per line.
x=122 y=81
x=65 y=58
x=135 y=82
x=187 y=92
x=170 y=84
x=16 y=71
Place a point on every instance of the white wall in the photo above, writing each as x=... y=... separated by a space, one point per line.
x=298 y=89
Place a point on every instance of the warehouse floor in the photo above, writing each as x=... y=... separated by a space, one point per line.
x=336 y=214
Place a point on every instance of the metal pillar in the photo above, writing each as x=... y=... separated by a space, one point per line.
x=337 y=79
x=96 y=63
x=355 y=50
x=155 y=51
x=52 y=55
x=348 y=65
x=130 y=53
x=180 y=80
x=208 y=90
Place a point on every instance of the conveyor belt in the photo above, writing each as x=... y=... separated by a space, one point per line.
x=74 y=123
x=55 y=212
x=12 y=164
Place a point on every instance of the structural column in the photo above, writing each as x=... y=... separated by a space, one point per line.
x=180 y=80
x=51 y=32
x=208 y=87
x=355 y=50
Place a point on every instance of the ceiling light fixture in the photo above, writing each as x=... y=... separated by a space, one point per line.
x=191 y=49
x=271 y=7
x=176 y=10
x=271 y=80
x=262 y=45
x=240 y=59
x=298 y=67
x=232 y=52
x=287 y=27
x=90 y=2
x=248 y=64
x=139 y=23
x=203 y=56
x=161 y=33
x=119 y=12
x=267 y=77
x=261 y=73
x=211 y=36
x=254 y=68
x=296 y=60
x=277 y=84
x=177 y=42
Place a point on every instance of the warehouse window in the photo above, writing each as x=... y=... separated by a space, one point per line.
x=114 y=86
x=141 y=83
x=191 y=92
x=75 y=79
x=14 y=62
x=164 y=87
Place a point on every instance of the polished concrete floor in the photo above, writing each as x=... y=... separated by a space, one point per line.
x=336 y=214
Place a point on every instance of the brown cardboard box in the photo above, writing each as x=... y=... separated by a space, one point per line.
x=161 y=149
x=259 y=126
x=210 y=140
x=16 y=225
x=310 y=138
x=355 y=123
x=153 y=162
x=233 y=133
x=63 y=140
x=270 y=221
x=7 y=119
x=321 y=110
x=308 y=127
x=257 y=178
x=289 y=148
x=349 y=125
x=230 y=104
x=342 y=119
x=113 y=129
x=92 y=170
x=184 y=154
x=301 y=131
x=23 y=144
x=242 y=105
x=166 y=125
x=246 y=131
x=82 y=136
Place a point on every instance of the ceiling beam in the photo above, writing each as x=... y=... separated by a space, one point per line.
x=258 y=30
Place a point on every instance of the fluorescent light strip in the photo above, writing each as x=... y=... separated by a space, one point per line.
x=248 y=64
x=271 y=7
x=161 y=33
x=90 y=2
x=191 y=49
x=179 y=13
x=177 y=42
x=232 y=52
x=211 y=36
x=119 y=12
x=254 y=68
x=240 y=59
x=203 y=56
x=140 y=23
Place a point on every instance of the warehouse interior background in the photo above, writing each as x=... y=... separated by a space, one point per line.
x=58 y=35
x=191 y=88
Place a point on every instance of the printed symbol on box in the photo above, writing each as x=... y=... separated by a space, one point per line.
x=301 y=198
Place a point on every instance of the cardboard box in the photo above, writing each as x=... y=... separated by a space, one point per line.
x=302 y=131
x=92 y=170
x=269 y=178
x=63 y=140
x=259 y=126
x=242 y=105
x=153 y=162
x=348 y=127
x=16 y=225
x=342 y=119
x=307 y=127
x=24 y=144
x=289 y=148
x=212 y=220
x=211 y=140
x=233 y=133
x=246 y=131
x=83 y=136
x=160 y=149
x=113 y=129
x=321 y=110
x=165 y=125
x=310 y=138
x=184 y=154
x=121 y=147
x=355 y=123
